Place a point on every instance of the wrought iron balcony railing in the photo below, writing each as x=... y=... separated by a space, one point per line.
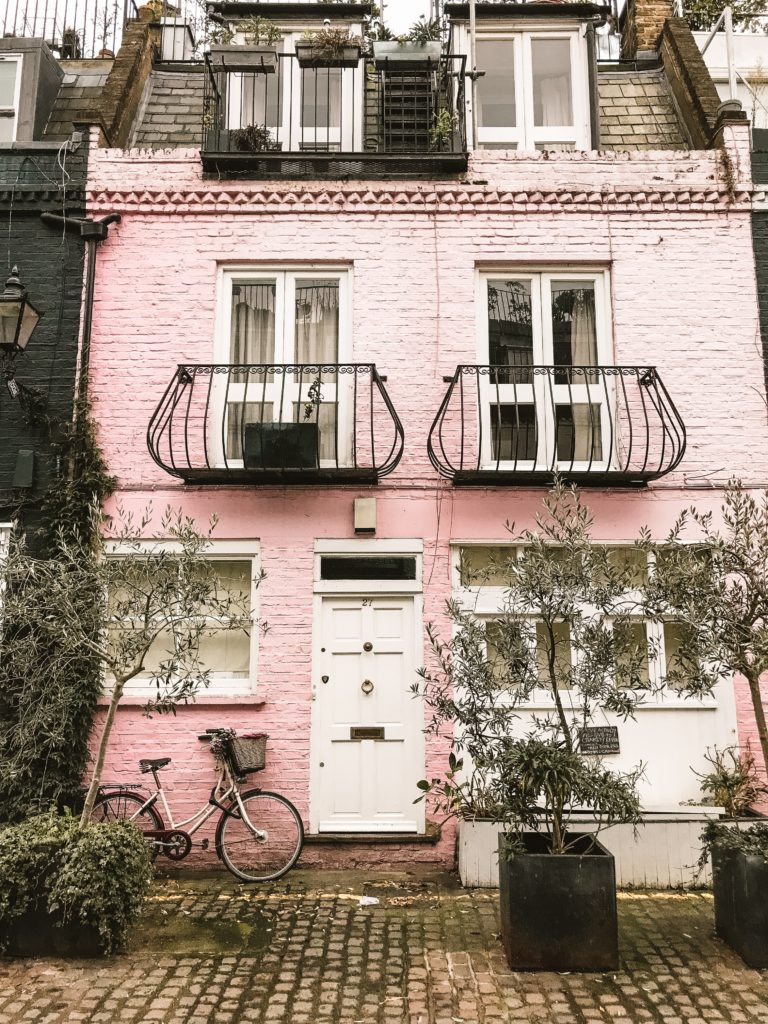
x=610 y=425
x=276 y=423
x=286 y=119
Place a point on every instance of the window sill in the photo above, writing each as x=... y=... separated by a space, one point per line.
x=658 y=705
x=208 y=700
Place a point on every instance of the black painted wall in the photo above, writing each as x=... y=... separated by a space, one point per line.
x=51 y=267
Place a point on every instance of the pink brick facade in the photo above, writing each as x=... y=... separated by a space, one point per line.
x=675 y=239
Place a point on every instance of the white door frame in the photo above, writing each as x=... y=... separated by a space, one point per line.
x=352 y=589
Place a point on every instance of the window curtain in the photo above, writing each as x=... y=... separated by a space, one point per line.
x=252 y=339
x=555 y=98
x=586 y=443
x=317 y=322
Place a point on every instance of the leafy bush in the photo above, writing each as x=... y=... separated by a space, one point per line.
x=752 y=840
x=96 y=875
x=734 y=782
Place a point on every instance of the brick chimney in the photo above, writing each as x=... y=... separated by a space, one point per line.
x=643 y=23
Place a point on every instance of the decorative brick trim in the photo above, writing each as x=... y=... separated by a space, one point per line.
x=443 y=200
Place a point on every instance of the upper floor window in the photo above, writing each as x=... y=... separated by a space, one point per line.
x=10 y=83
x=543 y=332
x=295 y=324
x=534 y=93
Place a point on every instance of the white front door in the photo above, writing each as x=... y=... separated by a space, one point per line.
x=368 y=742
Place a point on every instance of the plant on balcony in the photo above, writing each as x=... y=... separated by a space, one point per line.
x=564 y=635
x=442 y=131
x=733 y=781
x=254 y=139
x=701 y=15
x=727 y=592
x=421 y=45
x=329 y=48
x=258 y=55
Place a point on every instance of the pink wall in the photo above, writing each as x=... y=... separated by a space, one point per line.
x=679 y=251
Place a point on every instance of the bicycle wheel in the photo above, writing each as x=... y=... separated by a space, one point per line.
x=271 y=848
x=120 y=806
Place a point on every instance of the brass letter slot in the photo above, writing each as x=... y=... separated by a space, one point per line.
x=364 y=732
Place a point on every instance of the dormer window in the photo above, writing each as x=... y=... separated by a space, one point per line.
x=10 y=82
x=534 y=93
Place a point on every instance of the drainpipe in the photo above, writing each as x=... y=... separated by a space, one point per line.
x=93 y=231
x=473 y=66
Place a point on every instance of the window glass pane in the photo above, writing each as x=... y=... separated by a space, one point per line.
x=514 y=432
x=317 y=321
x=474 y=560
x=674 y=636
x=501 y=650
x=252 y=337
x=260 y=95
x=8 y=82
x=254 y=412
x=325 y=416
x=321 y=98
x=559 y=643
x=574 y=332
x=510 y=327
x=552 y=104
x=227 y=653
x=496 y=106
x=394 y=568
x=633 y=637
x=633 y=559
x=578 y=433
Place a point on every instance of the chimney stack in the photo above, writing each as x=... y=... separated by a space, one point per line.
x=642 y=27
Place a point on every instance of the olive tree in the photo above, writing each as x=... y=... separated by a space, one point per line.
x=571 y=630
x=138 y=602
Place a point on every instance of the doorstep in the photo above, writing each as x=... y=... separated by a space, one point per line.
x=430 y=838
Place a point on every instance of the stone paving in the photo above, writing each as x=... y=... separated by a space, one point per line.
x=304 y=951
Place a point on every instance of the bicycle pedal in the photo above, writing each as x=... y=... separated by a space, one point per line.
x=204 y=844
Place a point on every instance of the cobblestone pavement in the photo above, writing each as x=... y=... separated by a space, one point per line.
x=304 y=950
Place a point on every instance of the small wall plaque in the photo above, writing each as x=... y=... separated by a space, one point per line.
x=600 y=739
x=366 y=732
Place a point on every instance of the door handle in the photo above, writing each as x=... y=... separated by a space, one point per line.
x=367 y=686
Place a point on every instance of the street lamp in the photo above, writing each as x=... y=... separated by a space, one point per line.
x=18 y=317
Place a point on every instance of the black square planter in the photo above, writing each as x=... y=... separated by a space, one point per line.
x=280 y=446
x=740 y=883
x=558 y=912
x=37 y=933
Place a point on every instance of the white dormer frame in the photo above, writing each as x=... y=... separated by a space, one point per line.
x=12 y=113
x=521 y=34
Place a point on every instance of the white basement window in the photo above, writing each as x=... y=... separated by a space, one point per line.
x=10 y=89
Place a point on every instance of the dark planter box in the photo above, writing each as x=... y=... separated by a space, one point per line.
x=280 y=446
x=37 y=933
x=310 y=56
x=259 y=59
x=558 y=913
x=740 y=883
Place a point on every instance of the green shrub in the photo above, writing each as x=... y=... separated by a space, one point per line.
x=96 y=875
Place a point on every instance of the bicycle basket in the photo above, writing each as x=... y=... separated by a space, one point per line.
x=248 y=753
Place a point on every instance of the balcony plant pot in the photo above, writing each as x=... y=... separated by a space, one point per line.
x=261 y=59
x=310 y=56
x=394 y=56
x=281 y=446
x=558 y=912
x=740 y=885
x=38 y=933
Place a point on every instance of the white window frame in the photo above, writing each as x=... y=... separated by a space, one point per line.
x=342 y=393
x=541 y=281
x=525 y=135
x=487 y=602
x=18 y=60
x=220 y=550
x=291 y=133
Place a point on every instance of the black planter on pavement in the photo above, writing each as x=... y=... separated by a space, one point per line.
x=740 y=883
x=558 y=912
x=37 y=933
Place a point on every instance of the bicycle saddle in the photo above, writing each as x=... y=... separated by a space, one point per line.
x=151 y=764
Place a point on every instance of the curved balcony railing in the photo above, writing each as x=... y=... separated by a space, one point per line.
x=276 y=423
x=610 y=425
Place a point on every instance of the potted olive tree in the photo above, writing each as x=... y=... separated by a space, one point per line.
x=726 y=590
x=329 y=48
x=257 y=55
x=566 y=641
x=411 y=52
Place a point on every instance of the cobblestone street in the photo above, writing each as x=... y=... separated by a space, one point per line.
x=304 y=950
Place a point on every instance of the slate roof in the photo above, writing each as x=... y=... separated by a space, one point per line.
x=171 y=111
x=78 y=95
x=637 y=112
